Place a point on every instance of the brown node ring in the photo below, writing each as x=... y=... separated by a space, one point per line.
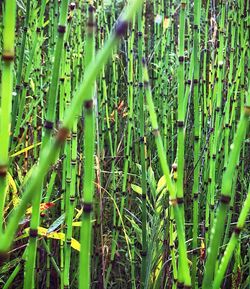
x=88 y=104
x=33 y=233
x=247 y=110
x=62 y=134
x=8 y=56
x=121 y=28
x=225 y=199
x=3 y=170
x=61 y=29
x=87 y=207
x=237 y=230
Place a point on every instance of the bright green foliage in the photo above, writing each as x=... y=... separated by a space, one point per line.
x=124 y=144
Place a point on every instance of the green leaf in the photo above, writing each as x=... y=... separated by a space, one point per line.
x=56 y=224
x=136 y=189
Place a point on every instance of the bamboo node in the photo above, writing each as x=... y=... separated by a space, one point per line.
x=72 y=6
x=48 y=124
x=3 y=170
x=33 y=233
x=225 y=199
x=121 y=28
x=173 y=202
x=88 y=104
x=61 y=29
x=196 y=195
x=247 y=110
x=8 y=56
x=91 y=8
x=3 y=257
x=237 y=230
x=174 y=167
x=62 y=134
x=181 y=59
x=180 y=123
x=180 y=285
x=91 y=27
x=180 y=200
x=156 y=132
x=87 y=207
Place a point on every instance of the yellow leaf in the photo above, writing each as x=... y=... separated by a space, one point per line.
x=202 y=244
x=43 y=207
x=166 y=23
x=46 y=23
x=75 y=244
x=56 y=235
x=77 y=224
x=32 y=85
x=161 y=184
x=25 y=150
x=136 y=189
x=12 y=185
x=79 y=213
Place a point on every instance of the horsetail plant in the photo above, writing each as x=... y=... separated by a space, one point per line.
x=232 y=243
x=87 y=199
x=184 y=269
x=8 y=55
x=218 y=227
x=89 y=149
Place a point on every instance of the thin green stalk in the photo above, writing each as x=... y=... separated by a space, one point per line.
x=8 y=55
x=142 y=152
x=48 y=126
x=197 y=137
x=180 y=121
x=232 y=243
x=184 y=270
x=218 y=226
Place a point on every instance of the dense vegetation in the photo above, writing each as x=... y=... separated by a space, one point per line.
x=124 y=144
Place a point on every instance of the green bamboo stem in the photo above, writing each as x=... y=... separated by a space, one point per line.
x=197 y=137
x=180 y=121
x=89 y=149
x=8 y=55
x=184 y=270
x=232 y=243
x=36 y=37
x=217 y=99
x=70 y=179
x=20 y=62
x=142 y=152
x=48 y=125
x=218 y=227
